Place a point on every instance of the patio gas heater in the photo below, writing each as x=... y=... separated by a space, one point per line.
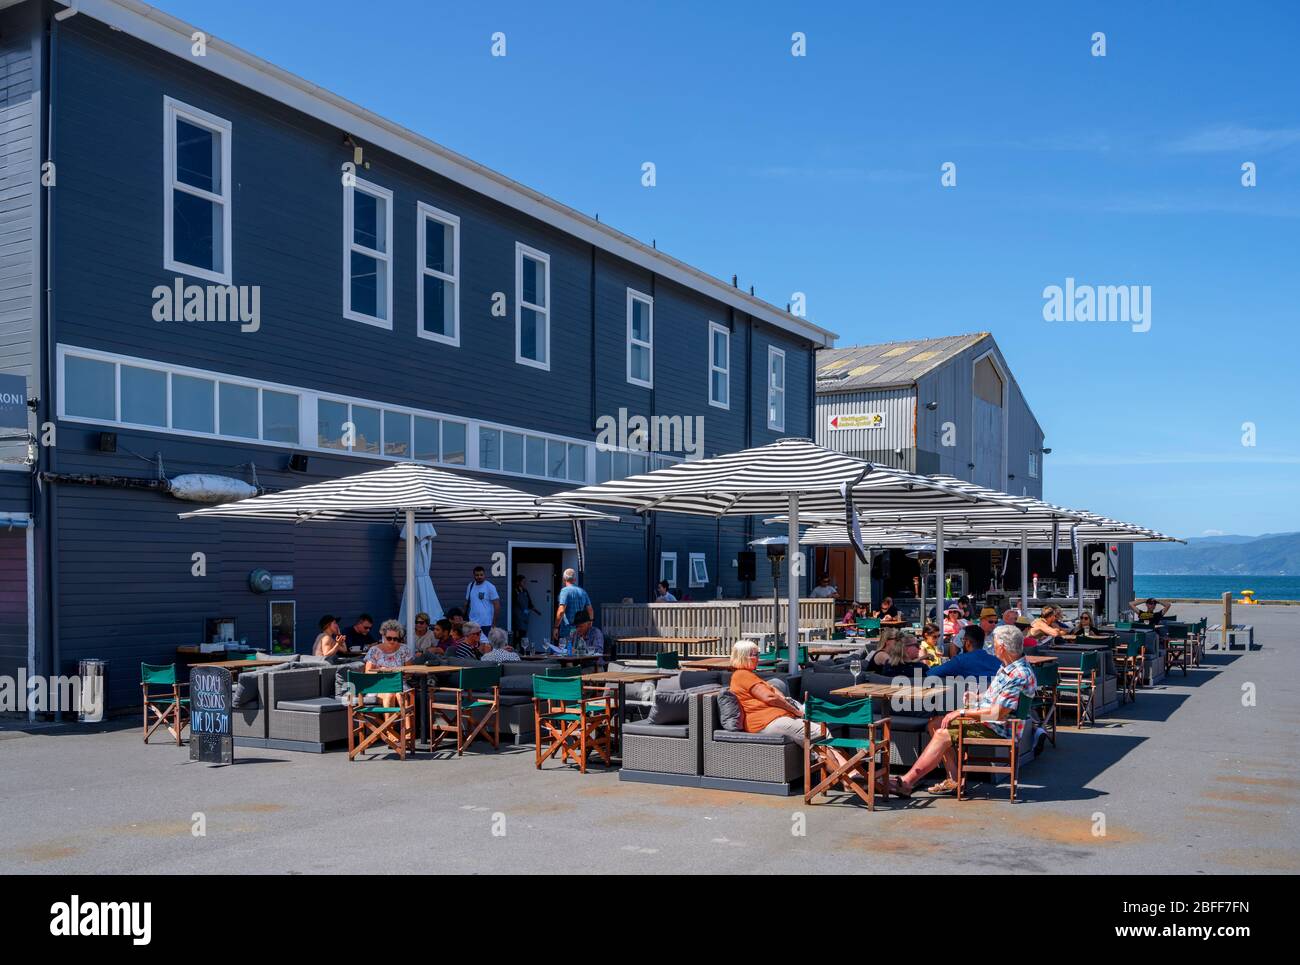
x=776 y=555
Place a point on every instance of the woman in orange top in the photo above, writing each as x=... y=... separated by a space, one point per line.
x=763 y=708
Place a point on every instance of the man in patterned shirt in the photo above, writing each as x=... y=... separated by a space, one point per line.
x=991 y=708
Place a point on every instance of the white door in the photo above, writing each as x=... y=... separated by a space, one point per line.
x=540 y=580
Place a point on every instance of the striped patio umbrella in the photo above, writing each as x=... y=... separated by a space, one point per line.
x=407 y=493
x=790 y=476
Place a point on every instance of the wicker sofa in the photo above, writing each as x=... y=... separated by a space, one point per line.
x=292 y=707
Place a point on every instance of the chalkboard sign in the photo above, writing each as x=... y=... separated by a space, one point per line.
x=211 y=739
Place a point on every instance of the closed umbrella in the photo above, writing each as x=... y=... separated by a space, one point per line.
x=426 y=597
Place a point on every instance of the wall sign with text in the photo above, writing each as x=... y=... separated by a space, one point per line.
x=866 y=420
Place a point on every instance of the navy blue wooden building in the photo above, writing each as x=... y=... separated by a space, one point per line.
x=350 y=293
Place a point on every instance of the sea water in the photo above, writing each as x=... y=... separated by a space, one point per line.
x=1213 y=587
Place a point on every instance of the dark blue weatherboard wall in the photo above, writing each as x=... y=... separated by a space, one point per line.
x=125 y=589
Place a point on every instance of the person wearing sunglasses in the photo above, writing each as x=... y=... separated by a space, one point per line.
x=389 y=654
x=424 y=640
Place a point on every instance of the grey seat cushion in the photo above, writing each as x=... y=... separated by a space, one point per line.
x=729 y=714
x=744 y=737
x=670 y=707
x=908 y=724
x=643 y=729
x=312 y=705
x=517 y=685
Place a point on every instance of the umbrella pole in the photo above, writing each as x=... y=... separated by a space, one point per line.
x=940 y=588
x=410 y=577
x=792 y=588
x=1080 y=554
x=1024 y=573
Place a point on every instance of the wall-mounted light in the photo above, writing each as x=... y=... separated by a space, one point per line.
x=932 y=406
x=1047 y=452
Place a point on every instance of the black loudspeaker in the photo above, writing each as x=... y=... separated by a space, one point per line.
x=297 y=462
x=108 y=442
x=747 y=566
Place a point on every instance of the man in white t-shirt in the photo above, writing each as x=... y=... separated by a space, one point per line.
x=482 y=602
x=825 y=589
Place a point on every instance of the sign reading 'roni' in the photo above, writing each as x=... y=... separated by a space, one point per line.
x=211 y=738
x=13 y=404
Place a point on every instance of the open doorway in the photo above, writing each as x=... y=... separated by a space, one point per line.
x=542 y=566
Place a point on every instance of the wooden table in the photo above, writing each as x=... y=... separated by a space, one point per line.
x=1035 y=659
x=833 y=649
x=707 y=663
x=891 y=692
x=660 y=643
x=621 y=678
x=564 y=660
x=237 y=666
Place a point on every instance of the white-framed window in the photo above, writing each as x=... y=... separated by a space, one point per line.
x=532 y=307
x=101 y=388
x=699 y=573
x=367 y=253
x=437 y=293
x=136 y=393
x=614 y=463
x=668 y=568
x=196 y=192
x=775 y=389
x=640 y=339
x=719 y=366
x=1033 y=464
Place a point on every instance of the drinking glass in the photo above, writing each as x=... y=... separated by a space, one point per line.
x=855 y=668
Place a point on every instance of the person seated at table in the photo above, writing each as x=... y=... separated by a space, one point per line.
x=888 y=614
x=330 y=643
x=1086 y=627
x=425 y=639
x=1014 y=679
x=466 y=642
x=1011 y=617
x=973 y=661
x=358 y=635
x=457 y=617
x=899 y=653
x=1150 y=610
x=763 y=708
x=499 y=649
x=825 y=589
x=931 y=656
x=587 y=638
x=1045 y=628
x=389 y=654
x=952 y=621
x=665 y=593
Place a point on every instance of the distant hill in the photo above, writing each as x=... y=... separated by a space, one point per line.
x=1273 y=554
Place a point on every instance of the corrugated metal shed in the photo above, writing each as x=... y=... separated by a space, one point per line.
x=888 y=363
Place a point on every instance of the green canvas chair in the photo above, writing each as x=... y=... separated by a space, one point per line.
x=668 y=660
x=1076 y=687
x=562 y=672
x=1045 y=699
x=970 y=747
x=165 y=703
x=368 y=723
x=1130 y=658
x=819 y=755
x=575 y=725
x=466 y=709
x=1178 y=646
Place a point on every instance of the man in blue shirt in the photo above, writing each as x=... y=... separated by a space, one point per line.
x=573 y=600
x=974 y=661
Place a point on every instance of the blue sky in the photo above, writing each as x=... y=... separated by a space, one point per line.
x=821 y=174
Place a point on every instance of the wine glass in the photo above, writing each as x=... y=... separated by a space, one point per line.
x=855 y=668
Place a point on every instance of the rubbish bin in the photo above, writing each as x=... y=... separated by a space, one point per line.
x=94 y=690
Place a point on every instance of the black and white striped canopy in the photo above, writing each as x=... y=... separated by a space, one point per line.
x=1095 y=529
x=385 y=495
x=761 y=480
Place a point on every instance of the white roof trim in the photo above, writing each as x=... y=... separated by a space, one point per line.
x=166 y=32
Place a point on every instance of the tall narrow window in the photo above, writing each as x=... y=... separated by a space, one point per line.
x=367 y=253
x=438 y=292
x=640 y=339
x=668 y=568
x=532 y=307
x=699 y=570
x=196 y=205
x=719 y=366
x=775 y=389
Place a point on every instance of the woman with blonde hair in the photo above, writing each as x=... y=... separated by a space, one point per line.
x=898 y=653
x=763 y=708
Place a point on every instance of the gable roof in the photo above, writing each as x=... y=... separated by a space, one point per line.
x=888 y=363
x=173 y=35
